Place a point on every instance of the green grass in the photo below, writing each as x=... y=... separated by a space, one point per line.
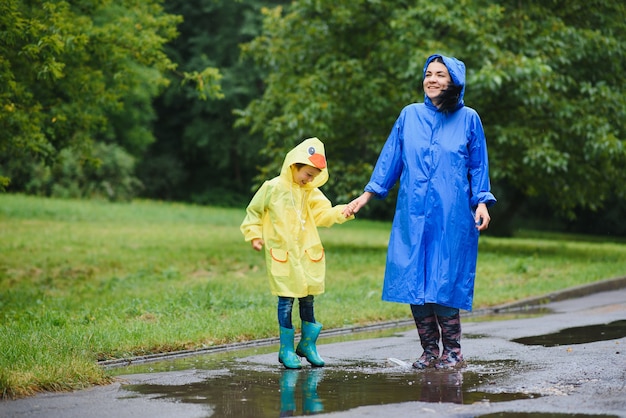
x=83 y=281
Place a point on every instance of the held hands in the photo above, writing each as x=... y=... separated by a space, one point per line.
x=482 y=217
x=257 y=244
x=356 y=205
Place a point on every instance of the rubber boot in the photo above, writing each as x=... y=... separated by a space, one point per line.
x=288 y=382
x=286 y=355
x=451 y=341
x=428 y=331
x=311 y=402
x=306 y=346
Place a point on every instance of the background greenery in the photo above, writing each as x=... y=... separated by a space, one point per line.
x=76 y=74
x=87 y=280
x=545 y=76
x=116 y=85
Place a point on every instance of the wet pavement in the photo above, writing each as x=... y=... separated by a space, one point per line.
x=567 y=359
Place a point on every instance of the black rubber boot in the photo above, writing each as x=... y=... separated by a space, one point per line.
x=451 y=341
x=428 y=331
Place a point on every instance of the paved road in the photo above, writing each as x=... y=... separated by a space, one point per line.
x=503 y=377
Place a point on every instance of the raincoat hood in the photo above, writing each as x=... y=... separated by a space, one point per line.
x=456 y=68
x=310 y=152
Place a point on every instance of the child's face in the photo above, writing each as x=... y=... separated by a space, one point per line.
x=305 y=174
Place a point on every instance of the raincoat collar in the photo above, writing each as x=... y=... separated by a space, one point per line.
x=456 y=68
x=310 y=152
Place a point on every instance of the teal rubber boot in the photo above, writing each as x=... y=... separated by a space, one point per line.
x=306 y=346
x=286 y=355
x=311 y=402
x=288 y=382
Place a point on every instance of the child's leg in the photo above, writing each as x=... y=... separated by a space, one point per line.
x=285 y=306
x=286 y=354
x=310 y=331
x=307 y=313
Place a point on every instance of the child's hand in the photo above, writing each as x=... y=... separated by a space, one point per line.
x=257 y=244
x=349 y=210
x=356 y=205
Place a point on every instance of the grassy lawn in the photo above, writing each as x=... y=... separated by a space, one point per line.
x=83 y=281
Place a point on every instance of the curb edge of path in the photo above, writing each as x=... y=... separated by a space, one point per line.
x=569 y=293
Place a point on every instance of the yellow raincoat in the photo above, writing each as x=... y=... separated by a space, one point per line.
x=286 y=216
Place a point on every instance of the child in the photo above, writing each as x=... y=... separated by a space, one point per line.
x=283 y=216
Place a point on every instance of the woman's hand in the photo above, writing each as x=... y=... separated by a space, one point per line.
x=482 y=217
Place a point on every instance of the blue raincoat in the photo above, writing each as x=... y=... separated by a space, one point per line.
x=441 y=162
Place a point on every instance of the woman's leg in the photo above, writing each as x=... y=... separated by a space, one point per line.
x=428 y=331
x=444 y=311
x=422 y=311
x=450 y=322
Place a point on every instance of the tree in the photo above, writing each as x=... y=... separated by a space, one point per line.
x=198 y=155
x=74 y=73
x=547 y=77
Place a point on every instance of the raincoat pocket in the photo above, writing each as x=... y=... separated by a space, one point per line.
x=280 y=265
x=315 y=262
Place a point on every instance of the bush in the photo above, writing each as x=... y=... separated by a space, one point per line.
x=110 y=175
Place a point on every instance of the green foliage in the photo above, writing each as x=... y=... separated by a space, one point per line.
x=68 y=67
x=76 y=73
x=548 y=79
x=207 y=83
x=111 y=177
x=196 y=139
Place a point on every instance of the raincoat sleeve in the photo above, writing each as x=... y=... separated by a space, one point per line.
x=389 y=165
x=324 y=213
x=479 y=165
x=252 y=225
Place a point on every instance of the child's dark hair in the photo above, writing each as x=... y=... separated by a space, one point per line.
x=298 y=166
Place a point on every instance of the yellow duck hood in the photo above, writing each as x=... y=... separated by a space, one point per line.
x=310 y=152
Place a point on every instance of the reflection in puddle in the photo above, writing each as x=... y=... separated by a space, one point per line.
x=278 y=392
x=541 y=415
x=578 y=335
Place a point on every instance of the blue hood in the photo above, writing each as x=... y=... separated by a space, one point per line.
x=456 y=68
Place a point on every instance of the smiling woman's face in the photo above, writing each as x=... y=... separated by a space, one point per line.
x=436 y=79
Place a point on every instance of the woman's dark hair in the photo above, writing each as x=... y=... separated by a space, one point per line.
x=448 y=99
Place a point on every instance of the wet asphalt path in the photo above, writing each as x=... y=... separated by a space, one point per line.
x=537 y=379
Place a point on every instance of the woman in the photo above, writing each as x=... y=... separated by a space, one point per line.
x=437 y=150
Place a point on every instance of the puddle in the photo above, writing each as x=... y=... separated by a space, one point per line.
x=541 y=415
x=259 y=391
x=578 y=335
